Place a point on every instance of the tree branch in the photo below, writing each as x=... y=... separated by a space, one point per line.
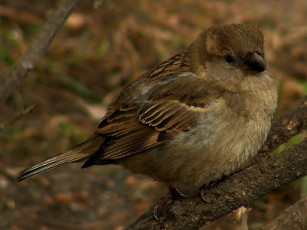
x=242 y=188
x=286 y=126
x=17 y=117
x=28 y=60
x=235 y=191
x=294 y=217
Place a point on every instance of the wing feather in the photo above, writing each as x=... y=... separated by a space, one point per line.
x=167 y=110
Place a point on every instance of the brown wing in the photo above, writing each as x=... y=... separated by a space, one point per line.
x=170 y=108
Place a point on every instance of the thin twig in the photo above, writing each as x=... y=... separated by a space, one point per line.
x=14 y=77
x=17 y=15
x=17 y=116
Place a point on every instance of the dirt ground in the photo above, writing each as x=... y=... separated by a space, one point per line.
x=96 y=53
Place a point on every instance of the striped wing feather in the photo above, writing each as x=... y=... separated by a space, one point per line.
x=167 y=111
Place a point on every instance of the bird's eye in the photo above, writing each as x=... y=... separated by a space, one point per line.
x=229 y=58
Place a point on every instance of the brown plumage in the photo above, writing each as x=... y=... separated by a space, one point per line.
x=197 y=116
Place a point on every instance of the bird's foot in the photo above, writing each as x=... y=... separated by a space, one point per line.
x=159 y=206
x=202 y=194
x=208 y=198
x=176 y=194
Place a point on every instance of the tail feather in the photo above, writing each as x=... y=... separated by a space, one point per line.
x=79 y=153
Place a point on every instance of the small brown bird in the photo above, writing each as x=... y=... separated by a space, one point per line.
x=196 y=117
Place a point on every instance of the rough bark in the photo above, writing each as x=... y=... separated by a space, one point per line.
x=14 y=77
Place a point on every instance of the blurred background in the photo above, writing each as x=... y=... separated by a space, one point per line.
x=96 y=53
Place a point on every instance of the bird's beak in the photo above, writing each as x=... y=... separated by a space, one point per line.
x=254 y=64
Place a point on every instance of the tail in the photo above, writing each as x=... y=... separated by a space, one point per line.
x=79 y=153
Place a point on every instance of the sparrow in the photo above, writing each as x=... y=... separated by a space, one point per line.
x=198 y=116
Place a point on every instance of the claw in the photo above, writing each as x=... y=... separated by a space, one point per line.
x=176 y=194
x=203 y=196
x=159 y=205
